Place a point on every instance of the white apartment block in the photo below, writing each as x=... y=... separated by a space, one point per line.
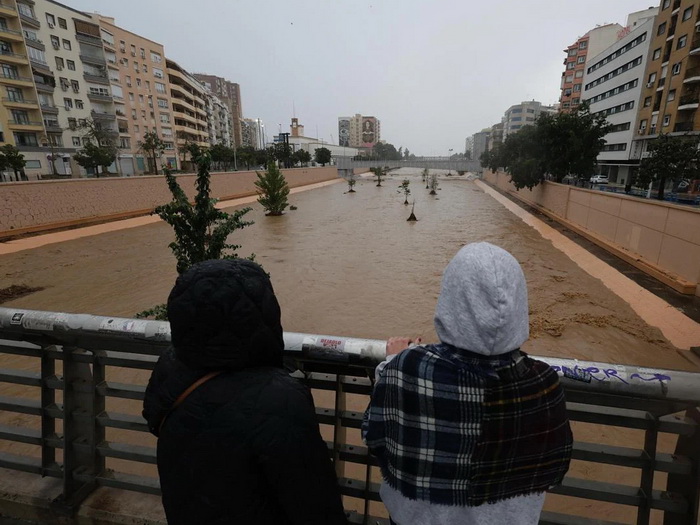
x=219 y=121
x=522 y=114
x=612 y=85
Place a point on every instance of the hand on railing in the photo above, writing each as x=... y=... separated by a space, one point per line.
x=396 y=344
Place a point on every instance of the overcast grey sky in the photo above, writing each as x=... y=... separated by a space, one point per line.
x=433 y=71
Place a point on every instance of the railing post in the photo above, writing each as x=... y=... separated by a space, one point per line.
x=78 y=429
x=689 y=447
x=646 y=484
x=48 y=399
x=339 y=431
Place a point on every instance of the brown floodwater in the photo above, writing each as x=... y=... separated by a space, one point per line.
x=351 y=264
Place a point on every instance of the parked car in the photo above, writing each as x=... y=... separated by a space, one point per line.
x=599 y=179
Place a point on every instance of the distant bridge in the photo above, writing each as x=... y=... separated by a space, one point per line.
x=438 y=163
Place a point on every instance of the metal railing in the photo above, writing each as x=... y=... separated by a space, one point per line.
x=89 y=349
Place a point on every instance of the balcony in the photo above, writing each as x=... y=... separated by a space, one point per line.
x=7 y=9
x=15 y=80
x=11 y=34
x=30 y=21
x=692 y=75
x=683 y=126
x=13 y=58
x=35 y=43
x=45 y=87
x=695 y=46
x=688 y=102
x=93 y=59
x=15 y=102
x=660 y=84
x=99 y=97
x=26 y=125
x=97 y=115
x=53 y=127
x=97 y=79
x=49 y=109
x=89 y=39
x=39 y=65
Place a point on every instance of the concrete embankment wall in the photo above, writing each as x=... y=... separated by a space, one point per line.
x=659 y=238
x=27 y=207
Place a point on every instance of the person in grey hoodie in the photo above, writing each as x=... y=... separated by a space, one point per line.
x=470 y=430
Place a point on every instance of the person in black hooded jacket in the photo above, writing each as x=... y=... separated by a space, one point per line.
x=244 y=446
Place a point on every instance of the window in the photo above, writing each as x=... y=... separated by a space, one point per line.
x=148 y=85
x=579 y=73
x=514 y=119
x=59 y=63
x=647 y=102
x=165 y=118
x=652 y=78
x=577 y=87
x=657 y=54
x=20 y=116
x=55 y=42
x=142 y=52
x=37 y=55
x=662 y=28
x=160 y=88
x=530 y=110
x=583 y=45
x=569 y=78
x=62 y=23
x=133 y=114
x=70 y=64
x=667 y=119
x=136 y=66
x=133 y=50
x=26 y=10
x=125 y=62
x=687 y=14
x=671 y=95
x=15 y=94
x=26 y=139
x=68 y=103
x=145 y=68
x=155 y=57
x=79 y=104
x=567 y=92
x=72 y=123
x=676 y=68
x=143 y=114
x=66 y=44
x=575 y=101
x=76 y=141
x=138 y=82
x=162 y=103
x=571 y=65
x=136 y=128
x=131 y=97
x=682 y=41
x=75 y=85
x=140 y=99
x=9 y=71
x=122 y=46
x=573 y=52
x=581 y=60
x=666 y=4
x=50 y=19
x=642 y=125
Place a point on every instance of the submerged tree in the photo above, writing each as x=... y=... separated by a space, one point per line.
x=433 y=183
x=379 y=174
x=404 y=188
x=424 y=174
x=272 y=190
x=201 y=230
x=351 y=184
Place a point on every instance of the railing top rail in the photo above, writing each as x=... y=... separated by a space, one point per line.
x=131 y=335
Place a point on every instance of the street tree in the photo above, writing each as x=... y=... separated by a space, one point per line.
x=92 y=156
x=322 y=156
x=272 y=190
x=246 y=156
x=302 y=157
x=675 y=158
x=201 y=230
x=14 y=160
x=405 y=189
x=153 y=147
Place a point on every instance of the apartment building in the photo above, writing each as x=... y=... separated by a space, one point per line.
x=219 y=120
x=612 y=85
x=230 y=94
x=522 y=114
x=671 y=88
x=189 y=106
x=359 y=131
x=480 y=143
x=253 y=132
x=20 y=115
x=141 y=92
x=590 y=44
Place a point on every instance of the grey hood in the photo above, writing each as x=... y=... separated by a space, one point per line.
x=483 y=302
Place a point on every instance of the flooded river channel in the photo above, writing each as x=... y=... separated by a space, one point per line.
x=350 y=264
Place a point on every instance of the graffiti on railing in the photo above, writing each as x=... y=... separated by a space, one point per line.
x=587 y=374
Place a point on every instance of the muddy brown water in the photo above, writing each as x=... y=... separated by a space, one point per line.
x=350 y=264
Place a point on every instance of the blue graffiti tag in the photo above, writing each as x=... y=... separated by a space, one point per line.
x=592 y=372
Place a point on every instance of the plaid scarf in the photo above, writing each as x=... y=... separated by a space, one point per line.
x=456 y=428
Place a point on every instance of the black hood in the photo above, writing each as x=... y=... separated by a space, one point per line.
x=224 y=315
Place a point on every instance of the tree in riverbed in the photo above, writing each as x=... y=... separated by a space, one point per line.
x=379 y=173
x=433 y=183
x=201 y=230
x=405 y=189
x=272 y=190
x=351 y=184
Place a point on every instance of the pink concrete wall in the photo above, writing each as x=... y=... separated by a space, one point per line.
x=31 y=206
x=662 y=234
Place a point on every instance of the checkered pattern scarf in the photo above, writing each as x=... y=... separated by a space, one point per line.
x=455 y=428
